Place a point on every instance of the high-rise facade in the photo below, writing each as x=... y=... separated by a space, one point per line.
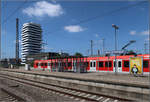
x=31 y=40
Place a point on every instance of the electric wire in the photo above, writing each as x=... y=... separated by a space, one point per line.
x=14 y=12
x=102 y=15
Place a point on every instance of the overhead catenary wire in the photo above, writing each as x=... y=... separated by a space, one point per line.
x=102 y=15
x=14 y=12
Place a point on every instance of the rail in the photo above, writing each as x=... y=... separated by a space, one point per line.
x=88 y=96
x=11 y=96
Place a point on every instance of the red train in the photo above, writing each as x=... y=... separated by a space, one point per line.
x=93 y=64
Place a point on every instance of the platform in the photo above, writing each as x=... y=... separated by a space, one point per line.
x=105 y=77
x=116 y=85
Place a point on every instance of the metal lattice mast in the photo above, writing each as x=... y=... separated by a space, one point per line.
x=17 y=41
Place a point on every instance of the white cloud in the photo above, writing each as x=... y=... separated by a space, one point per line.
x=146 y=32
x=96 y=35
x=43 y=8
x=132 y=32
x=74 y=28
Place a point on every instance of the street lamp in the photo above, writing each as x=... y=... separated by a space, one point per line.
x=116 y=28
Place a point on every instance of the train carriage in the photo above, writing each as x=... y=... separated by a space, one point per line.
x=93 y=64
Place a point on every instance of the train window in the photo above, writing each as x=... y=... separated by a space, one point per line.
x=90 y=64
x=63 y=64
x=108 y=64
x=60 y=64
x=55 y=64
x=93 y=64
x=69 y=64
x=86 y=64
x=126 y=63
x=37 y=64
x=114 y=63
x=100 y=64
x=145 y=64
x=41 y=64
x=73 y=64
x=119 y=64
x=45 y=64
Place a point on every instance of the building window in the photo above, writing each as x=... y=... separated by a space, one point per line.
x=126 y=63
x=145 y=64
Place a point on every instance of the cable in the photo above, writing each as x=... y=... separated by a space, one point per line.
x=15 y=11
x=103 y=15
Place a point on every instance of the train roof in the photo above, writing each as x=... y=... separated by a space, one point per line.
x=126 y=57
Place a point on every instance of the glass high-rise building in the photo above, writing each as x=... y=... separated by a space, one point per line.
x=31 y=40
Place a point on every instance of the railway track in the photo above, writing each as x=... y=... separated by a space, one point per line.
x=76 y=94
x=6 y=96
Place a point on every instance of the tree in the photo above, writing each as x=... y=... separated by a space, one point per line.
x=77 y=54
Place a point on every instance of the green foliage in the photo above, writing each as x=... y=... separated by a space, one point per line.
x=58 y=55
x=77 y=54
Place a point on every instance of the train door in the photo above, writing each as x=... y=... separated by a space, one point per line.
x=49 y=67
x=93 y=65
x=118 y=66
x=74 y=66
x=39 y=65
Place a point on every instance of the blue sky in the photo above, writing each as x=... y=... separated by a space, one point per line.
x=64 y=30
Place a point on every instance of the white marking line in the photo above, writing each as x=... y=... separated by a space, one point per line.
x=99 y=98
x=106 y=100
x=61 y=94
x=77 y=93
x=66 y=96
x=93 y=96
x=115 y=100
x=53 y=92
x=82 y=100
x=57 y=93
x=72 y=97
x=66 y=89
x=87 y=95
x=72 y=91
x=82 y=94
x=77 y=99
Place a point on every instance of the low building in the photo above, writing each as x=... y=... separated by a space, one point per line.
x=5 y=63
x=43 y=56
